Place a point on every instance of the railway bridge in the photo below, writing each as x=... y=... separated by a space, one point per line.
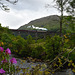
x=34 y=33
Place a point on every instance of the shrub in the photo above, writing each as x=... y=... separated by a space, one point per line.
x=53 y=46
x=69 y=40
x=36 y=53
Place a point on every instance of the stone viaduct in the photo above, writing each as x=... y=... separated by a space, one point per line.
x=34 y=33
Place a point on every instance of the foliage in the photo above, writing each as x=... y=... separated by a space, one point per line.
x=53 y=46
x=37 y=52
x=30 y=40
x=68 y=6
x=69 y=41
x=57 y=63
x=47 y=49
x=71 y=7
x=69 y=24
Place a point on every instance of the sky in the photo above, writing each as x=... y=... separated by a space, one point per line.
x=25 y=11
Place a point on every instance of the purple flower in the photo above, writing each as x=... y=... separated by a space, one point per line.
x=4 y=61
x=2 y=71
x=1 y=49
x=13 y=60
x=8 y=51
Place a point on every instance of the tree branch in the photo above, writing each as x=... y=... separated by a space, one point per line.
x=4 y=7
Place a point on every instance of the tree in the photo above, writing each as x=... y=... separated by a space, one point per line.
x=60 y=6
x=5 y=7
x=71 y=7
x=65 y=5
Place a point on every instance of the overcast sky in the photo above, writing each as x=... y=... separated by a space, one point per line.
x=24 y=11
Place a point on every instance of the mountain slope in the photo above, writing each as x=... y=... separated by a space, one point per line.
x=50 y=22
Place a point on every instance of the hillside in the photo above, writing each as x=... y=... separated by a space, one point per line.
x=46 y=23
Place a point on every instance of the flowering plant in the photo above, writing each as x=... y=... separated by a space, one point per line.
x=2 y=71
x=6 y=64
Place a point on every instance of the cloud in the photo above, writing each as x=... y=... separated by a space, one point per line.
x=34 y=5
x=25 y=11
x=12 y=19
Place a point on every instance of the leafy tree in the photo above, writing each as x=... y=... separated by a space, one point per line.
x=71 y=7
x=60 y=7
x=65 y=5
x=69 y=24
x=53 y=46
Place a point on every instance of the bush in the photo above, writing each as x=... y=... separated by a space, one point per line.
x=36 y=53
x=69 y=40
x=30 y=40
x=53 y=46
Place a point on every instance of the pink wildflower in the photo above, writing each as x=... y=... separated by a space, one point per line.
x=13 y=60
x=2 y=71
x=1 y=49
x=8 y=51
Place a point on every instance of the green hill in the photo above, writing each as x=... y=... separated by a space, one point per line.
x=49 y=22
